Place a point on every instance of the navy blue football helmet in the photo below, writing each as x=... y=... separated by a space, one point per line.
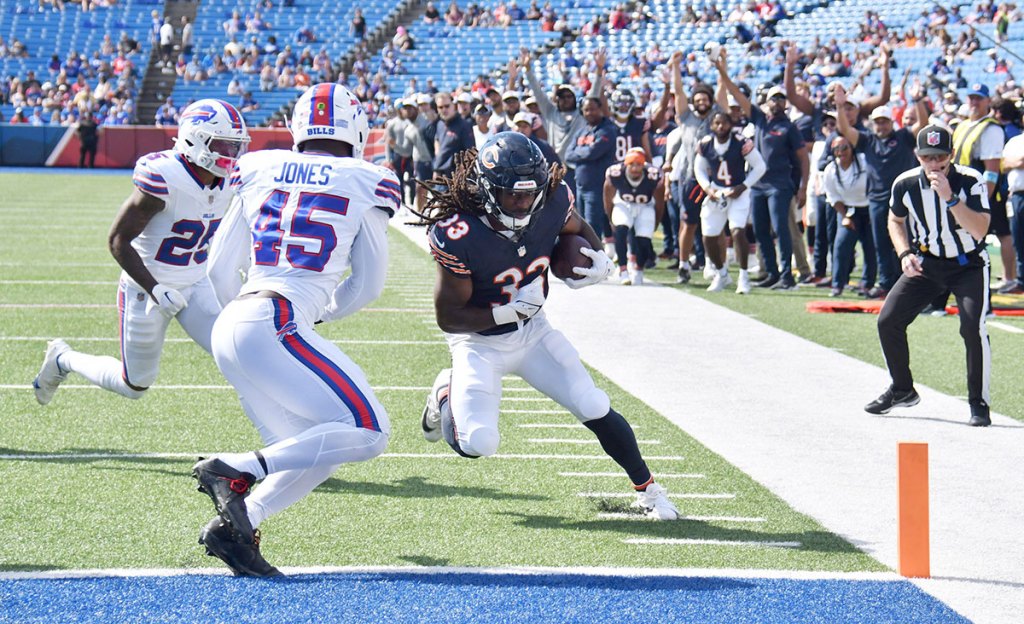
x=511 y=165
x=623 y=102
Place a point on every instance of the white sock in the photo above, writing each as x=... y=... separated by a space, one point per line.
x=686 y=264
x=245 y=462
x=723 y=271
x=101 y=370
x=743 y=273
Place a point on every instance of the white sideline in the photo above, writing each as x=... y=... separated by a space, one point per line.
x=431 y=343
x=798 y=575
x=116 y=456
x=788 y=413
x=679 y=541
x=645 y=517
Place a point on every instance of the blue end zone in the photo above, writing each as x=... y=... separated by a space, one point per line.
x=396 y=597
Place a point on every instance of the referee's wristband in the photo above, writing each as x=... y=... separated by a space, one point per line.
x=906 y=252
x=953 y=201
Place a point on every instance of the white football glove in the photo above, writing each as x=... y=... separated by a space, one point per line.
x=524 y=305
x=599 y=270
x=167 y=300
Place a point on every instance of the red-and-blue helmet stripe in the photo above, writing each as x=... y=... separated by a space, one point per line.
x=324 y=368
x=323 y=94
x=236 y=118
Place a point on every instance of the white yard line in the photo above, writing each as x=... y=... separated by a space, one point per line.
x=200 y=387
x=717 y=496
x=1005 y=327
x=668 y=541
x=563 y=412
x=660 y=475
x=572 y=441
x=70 y=339
x=629 y=516
x=127 y=456
x=799 y=575
x=31 y=306
x=57 y=283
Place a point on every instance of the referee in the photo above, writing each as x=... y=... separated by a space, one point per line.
x=947 y=207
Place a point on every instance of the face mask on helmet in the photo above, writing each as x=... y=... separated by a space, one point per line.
x=212 y=135
x=330 y=111
x=513 y=177
x=623 y=103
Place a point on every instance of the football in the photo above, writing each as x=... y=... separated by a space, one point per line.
x=567 y=255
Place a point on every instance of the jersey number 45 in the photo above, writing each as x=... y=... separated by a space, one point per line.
x=306 y=232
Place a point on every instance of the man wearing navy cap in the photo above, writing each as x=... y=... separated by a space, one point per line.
x=978 y=143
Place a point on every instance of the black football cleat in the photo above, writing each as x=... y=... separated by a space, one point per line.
x=243 y=557
x=979 y=414
x=893 y=398
x=228 y=489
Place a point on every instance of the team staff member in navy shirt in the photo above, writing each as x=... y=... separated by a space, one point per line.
x=454 y=135
x=779 y=143
x=946 y=207
x=591 y=153
x=888 y=153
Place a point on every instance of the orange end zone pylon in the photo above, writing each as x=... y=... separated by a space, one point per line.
x=912 y=539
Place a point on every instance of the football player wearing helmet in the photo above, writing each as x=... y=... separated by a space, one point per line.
x=311 y=404
x=634 y=200
x=492 y=235
x=726 y=166
x=160 y=238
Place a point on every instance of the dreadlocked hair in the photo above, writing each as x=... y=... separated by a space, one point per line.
x=461 y=191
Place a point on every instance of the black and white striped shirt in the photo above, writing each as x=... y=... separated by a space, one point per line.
x=933 y=228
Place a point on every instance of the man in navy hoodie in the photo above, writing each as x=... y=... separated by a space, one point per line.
x=591 y=153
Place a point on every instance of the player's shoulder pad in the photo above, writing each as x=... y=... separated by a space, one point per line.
x=388 y=191
x=614 y=171
x=248 y=167
x=151 y=173
x=705 y=140
x=653 y=172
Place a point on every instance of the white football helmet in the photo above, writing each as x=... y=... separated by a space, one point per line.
x=330 y=111
x=212 y=135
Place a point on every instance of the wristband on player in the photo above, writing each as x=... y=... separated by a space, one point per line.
x=991 y=177
x=953 y=201
x=907 y=252
x=504 y=314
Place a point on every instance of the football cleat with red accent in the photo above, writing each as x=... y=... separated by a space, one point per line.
x=242 y=556
x=431 y=419
x=655 y=503
x=228 y=489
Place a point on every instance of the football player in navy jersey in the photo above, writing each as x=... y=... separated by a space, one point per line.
x=721 y=168
x=493 y=233
x=632 y=130
x=634 y=200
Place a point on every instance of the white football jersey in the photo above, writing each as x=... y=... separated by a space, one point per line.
x=304 y=210
x=175 y=242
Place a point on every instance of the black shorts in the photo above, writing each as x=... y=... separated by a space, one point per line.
x=999 y=223
x=423 y=171
x=690 y=198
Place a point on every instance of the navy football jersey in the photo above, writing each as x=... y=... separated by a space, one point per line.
x=629 y=135
x=640 y=193
x=467 y=247
x=728 y=169
x=659 y=143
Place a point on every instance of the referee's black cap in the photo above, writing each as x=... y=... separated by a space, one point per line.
x=934 y=139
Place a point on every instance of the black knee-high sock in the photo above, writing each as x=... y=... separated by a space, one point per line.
x=644 y=251
x=617 y=439
x=621 y=233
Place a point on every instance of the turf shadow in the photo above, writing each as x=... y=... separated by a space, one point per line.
x=418 y=487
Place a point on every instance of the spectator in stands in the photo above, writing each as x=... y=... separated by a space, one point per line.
x=403 y=40
x=454 y=16
x=562 y=120
x=481 y=125
x=302 y=79
x=431 y=15
x=398 y=148
x=19 y=116
x=533 y=12
x=167 y=114
x=286 y=79
x=166 y=41
x=187 y=36
x=618 y=18
x=464 y=105
x=256 y=23
x=304 y=34
x=515 y=13
x=454 y=136
x=524 y=123
x=591 y=151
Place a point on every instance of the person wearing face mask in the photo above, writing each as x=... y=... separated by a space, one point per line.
x=946 y=208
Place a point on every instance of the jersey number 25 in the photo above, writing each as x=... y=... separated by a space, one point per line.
x=268 y=234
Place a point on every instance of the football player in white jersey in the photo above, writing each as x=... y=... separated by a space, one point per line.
x=299 y=221
x=160 y=238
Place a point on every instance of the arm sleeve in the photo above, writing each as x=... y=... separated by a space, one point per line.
x=229 y=254
x=369 y=268
x=700 y=170
x=547 y=109
x=757 y=168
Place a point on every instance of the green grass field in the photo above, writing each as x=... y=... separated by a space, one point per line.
x=97 y=481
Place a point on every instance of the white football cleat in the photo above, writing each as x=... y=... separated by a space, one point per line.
x=655 y=503
x=624 y=277
x=720 y=281
x=638 y=278
x=709 y=270
x=50 y=374
x=431 y=419
x=743 y=287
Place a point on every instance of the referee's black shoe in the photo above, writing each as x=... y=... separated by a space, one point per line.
x=979 y=414
x=893 y=398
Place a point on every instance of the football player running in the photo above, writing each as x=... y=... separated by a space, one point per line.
x=300 y=220
x=726 y=166
x=492 y=235
x=160 y=238
x=634 y=200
